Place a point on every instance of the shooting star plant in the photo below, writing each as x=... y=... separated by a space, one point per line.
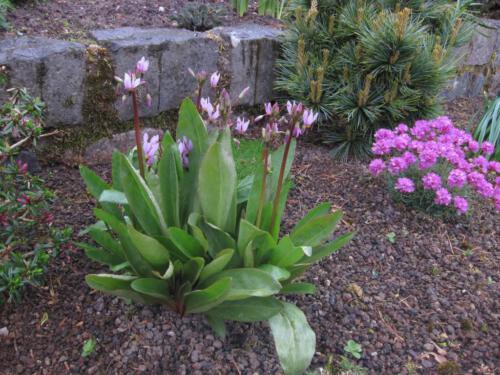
x=192 y=237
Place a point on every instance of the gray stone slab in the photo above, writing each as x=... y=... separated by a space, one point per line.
x=254 y=50
x=51 y=69
x=170 y=52
x=102 y=150
x=484 y=43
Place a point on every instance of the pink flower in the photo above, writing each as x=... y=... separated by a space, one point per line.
x=401 y=128
x=376 y=167
x=431 y=181
x=487 y=148
x=494 y=166
x=428 y=158
x=460 y=204
x=297 y=131
x=309 y=117
x=401 y=142
x=131 y=82
x=206 y=105
x=150 y=147
x=185 y=146
x=443 y=197
x=457 y=178
x=149 y=100
x=268 y=107
x=473 y=146
x=294 y=108
x=409 y=157
x=142 y=66
x=214 y=79
x=241 y=125
x=397 y=165
x=405 y=185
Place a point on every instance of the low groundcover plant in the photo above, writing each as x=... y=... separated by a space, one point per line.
x=181 y=231
x=436 y=166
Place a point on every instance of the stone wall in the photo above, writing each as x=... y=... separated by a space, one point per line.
x=480 y=68
x=57 y=71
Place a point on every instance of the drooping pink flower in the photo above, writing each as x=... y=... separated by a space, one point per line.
x=241 y=125
x=185 y=146
x=443 y=197
x=431 y=181
x=297 y=131
x=142 y=66
x=405 y=185
x=460 y=204
x=150 y=147
x=214 y=79
x=309 y=117
x=207 y=106
x=376 y=167
x=294 y=108
x=131 y=82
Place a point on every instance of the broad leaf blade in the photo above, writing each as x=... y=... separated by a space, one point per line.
x=252 y=309
x=203 y=300
x=294 y=339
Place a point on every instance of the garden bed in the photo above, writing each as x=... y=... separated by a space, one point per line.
x=413 y=290
x=72 y=20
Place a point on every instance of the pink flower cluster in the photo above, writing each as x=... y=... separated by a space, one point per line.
x=445 y=158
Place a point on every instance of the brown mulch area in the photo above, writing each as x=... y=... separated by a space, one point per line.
x=72 y=19
x=429 y=297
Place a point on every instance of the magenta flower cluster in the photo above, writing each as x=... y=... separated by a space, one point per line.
x=446 y=160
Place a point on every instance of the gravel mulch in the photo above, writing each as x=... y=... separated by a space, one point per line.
x=425 y=303
x=71 y=20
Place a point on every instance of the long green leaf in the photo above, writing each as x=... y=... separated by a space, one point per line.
x=329 y=248
x=316 y=230
x=294 y=339
x=191 y=125
x=137 y=262
x=217 y=186
x=170 y=175
x=156 y=288
x=117 y=285
x=203 y=300
x=96 y=185
x=150 y=249
x=299 y=288
x=247 y=282
x=141 y=200
x=186 y=243
x=317 y=211
x=252 y=309
x=217 y=265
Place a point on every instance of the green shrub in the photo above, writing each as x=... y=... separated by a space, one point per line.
x=200 y=17
x=185 y=232
x=27 y=239
x=370 y=64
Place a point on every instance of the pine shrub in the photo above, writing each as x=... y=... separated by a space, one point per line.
x=364 y=65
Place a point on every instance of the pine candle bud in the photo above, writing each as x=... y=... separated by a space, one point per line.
x=326 y=57
x=454 y=32
x=437 y=52
x=331 y=24
x=360 y=15
x=402 y=18
x=345 y=73
x=301 y=52
x=407 y=73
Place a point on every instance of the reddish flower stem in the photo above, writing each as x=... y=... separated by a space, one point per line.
x=265 y=157
x=138 y=138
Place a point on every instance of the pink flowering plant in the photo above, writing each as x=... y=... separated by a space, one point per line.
x=435 y=166
x=190 y=235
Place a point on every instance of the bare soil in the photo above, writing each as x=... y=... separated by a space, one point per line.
x=73 y=19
